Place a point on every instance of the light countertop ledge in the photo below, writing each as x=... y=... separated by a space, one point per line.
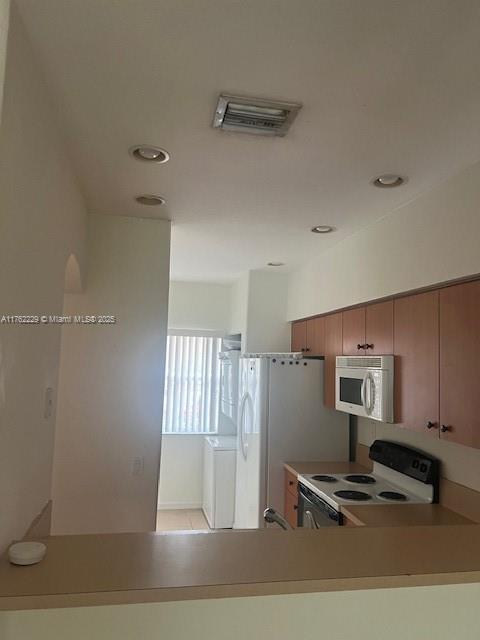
x=151 y=567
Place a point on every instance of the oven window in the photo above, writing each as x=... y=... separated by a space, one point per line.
x=351 y=390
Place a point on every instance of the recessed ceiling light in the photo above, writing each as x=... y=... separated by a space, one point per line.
x=388 y=181
x=275 y=264
x=149 y=153
x=150 y=199
x=322 y=228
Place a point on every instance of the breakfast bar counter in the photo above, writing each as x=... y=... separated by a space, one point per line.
x=153 y=567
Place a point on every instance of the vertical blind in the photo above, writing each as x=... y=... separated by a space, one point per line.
x=192 y=379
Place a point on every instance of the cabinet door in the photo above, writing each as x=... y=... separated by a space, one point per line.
x=333 y=348
x=460 y=363
x=354 y=332
x=299 y=335
x=379 y=328
x=291 y=509
x=291 y=483
x=417 y=362
x=316 y=337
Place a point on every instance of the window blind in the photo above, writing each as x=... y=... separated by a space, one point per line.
x=191 y=385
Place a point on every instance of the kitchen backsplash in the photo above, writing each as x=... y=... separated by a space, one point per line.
x=459 y=464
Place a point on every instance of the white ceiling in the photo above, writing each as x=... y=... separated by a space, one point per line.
x=387 y=86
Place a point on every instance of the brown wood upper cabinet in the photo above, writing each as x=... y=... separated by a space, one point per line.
x=299 y=335
x=368 y=330
x=416 y=336
x=308 y=336
x=333 y=348
x=379 y=328
x=353 y=332
x=460 y=363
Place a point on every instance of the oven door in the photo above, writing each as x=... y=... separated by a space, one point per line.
x=313 y=512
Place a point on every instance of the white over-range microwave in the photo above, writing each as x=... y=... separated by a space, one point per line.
x=364 y=386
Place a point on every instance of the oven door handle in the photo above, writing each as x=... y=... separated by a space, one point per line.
x=310 y=522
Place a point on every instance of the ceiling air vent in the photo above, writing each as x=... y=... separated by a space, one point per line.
x=254 y=115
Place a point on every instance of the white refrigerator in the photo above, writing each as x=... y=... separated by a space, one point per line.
x=281 y=418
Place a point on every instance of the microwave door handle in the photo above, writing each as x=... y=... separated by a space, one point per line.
x=370 y=395
x=362 y=392
x=372 y=392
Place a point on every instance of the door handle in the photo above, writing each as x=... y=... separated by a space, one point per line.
x=368 y=406
x=241 y=421
x=362 y=392
x=310 y=521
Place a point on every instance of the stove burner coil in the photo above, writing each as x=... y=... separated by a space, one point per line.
x=324 y=478
x=352 y=495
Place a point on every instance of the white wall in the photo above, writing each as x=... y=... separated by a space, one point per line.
x=42 y=223
x=181 y=472
x=432 y=239
x=111 y=382
x=258 y=311
x=4 y=19
x=267 y=329
x=239 y=306
x=415 y=613
x=199 y=305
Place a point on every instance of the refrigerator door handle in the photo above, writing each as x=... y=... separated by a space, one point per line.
x=243 y=444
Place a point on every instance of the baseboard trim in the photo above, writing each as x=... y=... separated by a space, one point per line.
x=164 y=506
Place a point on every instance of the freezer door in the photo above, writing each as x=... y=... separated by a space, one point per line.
x=251 y=478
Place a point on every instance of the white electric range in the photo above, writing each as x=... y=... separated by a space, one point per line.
x=400 y=476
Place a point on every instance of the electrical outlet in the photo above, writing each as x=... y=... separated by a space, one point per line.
x=48 y=407
x=138 y=466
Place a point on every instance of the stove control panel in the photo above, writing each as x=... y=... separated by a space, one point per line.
x=411 y=462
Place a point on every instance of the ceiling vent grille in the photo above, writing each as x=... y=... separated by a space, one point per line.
x=254 y=115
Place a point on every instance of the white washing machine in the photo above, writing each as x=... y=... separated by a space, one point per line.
x=219 y=462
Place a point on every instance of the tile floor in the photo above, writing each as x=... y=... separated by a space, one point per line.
x=181 y=520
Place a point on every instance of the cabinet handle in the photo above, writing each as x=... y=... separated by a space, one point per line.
x=307 y=349
x=302 y=349
x=368 y=346
x=295 y=506
x=291 y=483
x=445 y=428
x=361 y=346
x=431 y=425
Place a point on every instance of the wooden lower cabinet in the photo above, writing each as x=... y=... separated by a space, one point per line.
x=291 y=509
x=291 y=498
x=416 y=336
x=347 y=522
x=460 y=363
x=333 y=348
